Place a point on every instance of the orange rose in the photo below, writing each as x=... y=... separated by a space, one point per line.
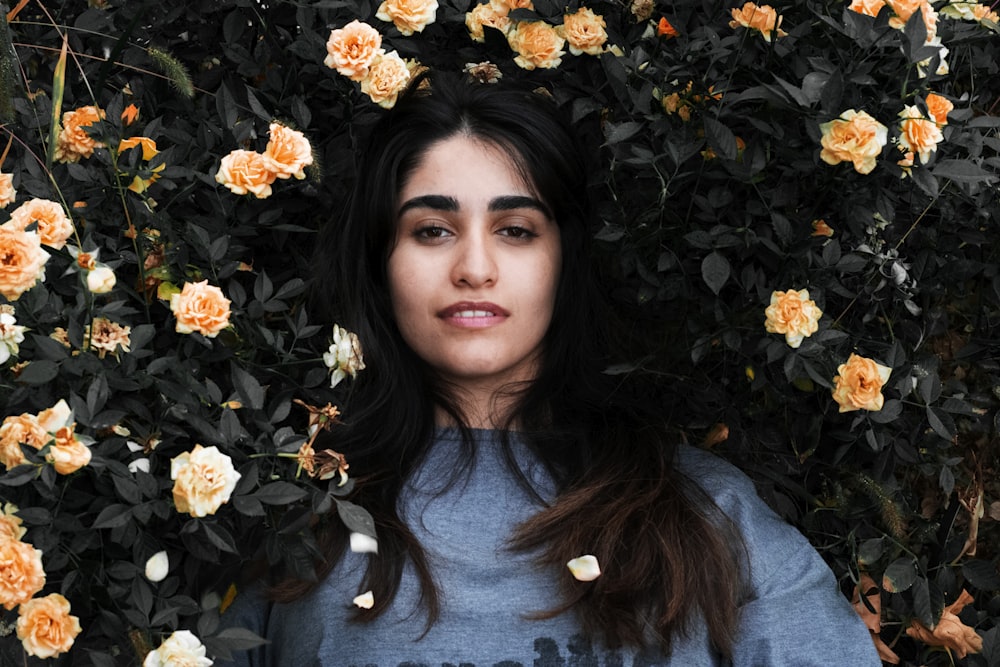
x=352 y=49
x=859 y=384
x=904 y=9
x=67 y=454
x=794 y=314
x=288 y=152
x=386 y=79
x=204 y=479
x=821 y=228
x=18 y=430
x=21 y=573
x=486 y=15
x=950 y=632
x=665 y=29
x=939 y=107
x=854 y=137
x=584 y=32
x=246 y=172
x=45 y=627
x=130 y=114
x=867 y=7
x=200 y=307
x=149 y=151
x=918 y=134
x=74 y=142
x=762 y=18
x=537 y=44
x=7 y=192
x=409 y=16
x=54 y=226
x=10 y=524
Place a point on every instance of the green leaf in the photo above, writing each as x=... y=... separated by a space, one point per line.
x=279 y=493
x=112 y=516
x=941 y=422
x=357 y=519
x=58 y=88
x=715 y=271
x=899 y=576
x=963 y=171
x=39 y=372
x=871 y=550
x=720 y=138
x=982 y=574
x=249 y=389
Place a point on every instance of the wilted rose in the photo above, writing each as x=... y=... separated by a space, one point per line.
x=352 y=49
x=54 y=226
x=200 y=307
x=7 y=192
x=918 y=134
x=181 y=649
x=484 y=72
x=858 y=385
x=762 y=18
x=409 y=16
x=21 y=573
x=950 y=632
x=107 y=336
x=344 y=356
x=288 y=152
x=585 y=32
x=246 y=172
x=855 y=137
x=17 y=430
x=387 y=77
x=486 y=15
x=537 y=44
x=45 y=627
x=204 y=479
x=793 y=314
x=74 y=142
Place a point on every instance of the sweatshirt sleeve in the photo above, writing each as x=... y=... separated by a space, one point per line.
x=794 y=613
x=249 y=611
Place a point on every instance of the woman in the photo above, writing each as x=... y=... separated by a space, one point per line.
x=491 y=450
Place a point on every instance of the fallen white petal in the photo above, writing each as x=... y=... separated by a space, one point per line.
x=584 y=568
x=365 y=600
x=157 y=566
x=363 y=544
x=139 y=464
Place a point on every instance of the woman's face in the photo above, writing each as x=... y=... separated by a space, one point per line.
x=475 y=266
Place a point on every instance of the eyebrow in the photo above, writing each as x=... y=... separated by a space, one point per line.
x=450 y=204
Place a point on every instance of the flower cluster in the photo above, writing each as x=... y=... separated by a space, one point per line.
x=356 y=52
x=760 y=18
x=52 y=432
x=287 y=154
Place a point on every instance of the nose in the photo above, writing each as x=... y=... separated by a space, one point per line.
x=474 y=263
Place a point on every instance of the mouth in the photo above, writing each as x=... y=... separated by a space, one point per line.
x=474 y=313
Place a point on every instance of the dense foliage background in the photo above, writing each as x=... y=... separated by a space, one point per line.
x=714 y=195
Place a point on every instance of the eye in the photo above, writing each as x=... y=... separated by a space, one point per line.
x=431 y=232
x=517 y=232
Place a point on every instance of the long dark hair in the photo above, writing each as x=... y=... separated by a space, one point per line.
x=665 y=550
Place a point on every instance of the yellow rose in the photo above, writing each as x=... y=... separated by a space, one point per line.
x=352 y=49
x=54 y=226
x=7 y=192
x=584 y=32
x=17 y=430
x=10 y=524
x=537 y=44
x=409 y=16
x=21 y=573
x=200 y=307
x=288 y=152
x=859 y=384
x=867 y=7
x=74 y=142
x=386 y=79
x=854 y=137
x=149 y=151
x=486 y=15
x=950 y=632
x=939 y=107
x=204 y=479
x=918 y=134
x=246 y=172
x=45 y=626
x=794 y=314
x=762 y=18
x=67 y=454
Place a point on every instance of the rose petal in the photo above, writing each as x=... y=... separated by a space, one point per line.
x=363 y=544
x=584 y=568
x=365 y=600
x=157 y=566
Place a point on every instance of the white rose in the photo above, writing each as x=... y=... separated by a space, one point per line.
x=181 y=649
x=101 y=280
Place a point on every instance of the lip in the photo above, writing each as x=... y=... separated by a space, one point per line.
x=474 y=314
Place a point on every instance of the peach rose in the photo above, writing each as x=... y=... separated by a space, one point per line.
x=904 y=9
x=409 y=16
x=10 y=524
x=74 y=142
x=21 y=573
x=584 y=32
x=288 y=152
x=950 y=632
x=246 y=172
x=67 y=454
x=486 y=16
x=149 y=151
x=22 y=262
x=859 y=384
x=200 y=307
x=17 y=430
x=794 y=314
x=918 y=134
x=54 y=226
x=181 y=649
x=386 y=79
x=867 y=7
x=537 y=44
x=352 y=49
x=504 y=6
x=762 y=18
x=45 y=626
x=939 y=107
x=204 y=479
x=982 y=12
x=7 y=192
x=854 y=137
x=54 y=418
